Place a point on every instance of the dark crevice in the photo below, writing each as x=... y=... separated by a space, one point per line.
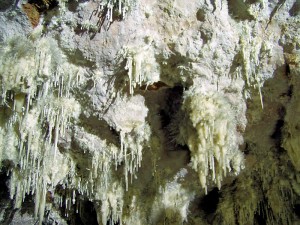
x=287 y=69
x=297 y=210
x=3 y=186
x=174 y=100
x=164 y=105
x=247 y=149
x=260 y=219
x=28 y=205
x=264 y=211
x=82 y=212
x=43 y=5
x=88 y=214
x=164 y=118
x=6 y=204
x=171 y=116
x=209 y=202
x=277 y=134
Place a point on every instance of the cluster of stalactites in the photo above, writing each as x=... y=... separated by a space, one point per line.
x=120 y=6
x=211 y=135
x=133 y=129
x=141 y=66
x=105 y=158
x=112 y=205
x=255 y=49
x=36 y=82
x=132 y=150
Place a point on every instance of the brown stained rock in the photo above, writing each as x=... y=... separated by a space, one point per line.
x=32 y=13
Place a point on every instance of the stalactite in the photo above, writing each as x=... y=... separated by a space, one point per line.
x=211 y=136
x=141 y=66
x=29 y=116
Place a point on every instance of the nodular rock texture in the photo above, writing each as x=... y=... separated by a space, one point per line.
x=150 y=112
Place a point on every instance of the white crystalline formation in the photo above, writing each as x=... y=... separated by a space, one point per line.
x=210 y=132
x=40 y=81
x=174 y=200
x=36 y=81
x=36 y=89
x=134 y=132
x=141 y=66
x=46 y=97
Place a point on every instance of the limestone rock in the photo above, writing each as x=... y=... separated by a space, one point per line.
x=150 y=112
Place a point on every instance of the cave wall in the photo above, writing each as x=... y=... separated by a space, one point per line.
x=149 y=112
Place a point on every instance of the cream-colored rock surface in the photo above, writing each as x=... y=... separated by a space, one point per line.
x=150 y=112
